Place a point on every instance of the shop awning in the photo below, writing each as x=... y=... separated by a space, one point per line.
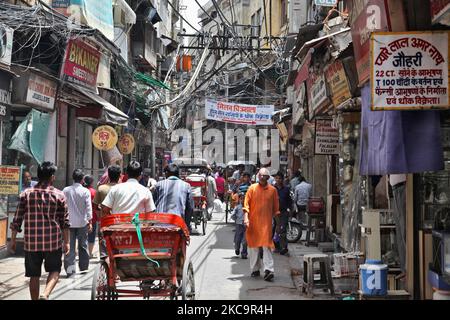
x=110 y=114
x=319 y=41
x=151 y=81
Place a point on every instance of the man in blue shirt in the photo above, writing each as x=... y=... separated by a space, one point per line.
x=285 y=200
x=173 y=195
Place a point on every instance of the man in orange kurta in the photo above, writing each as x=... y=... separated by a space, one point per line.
x=260 y=207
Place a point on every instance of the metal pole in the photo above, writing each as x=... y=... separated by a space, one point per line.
x=153 y=148
x=226 y=123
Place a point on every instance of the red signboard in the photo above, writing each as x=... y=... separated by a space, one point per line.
x=81 y=64
x=369 y=16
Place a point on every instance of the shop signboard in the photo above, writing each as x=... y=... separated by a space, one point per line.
x=440 y=12
x=81 y=64
x=325 y=3
x=367 y=16
x=41 y=92
x=104 y=138
x=337 y=80
x=126 y=143
x=239 y=113
x=326 y=138
x=298 y=109
x=6 y=44
x=410 y=70
x=10 y=180
x=317 y=94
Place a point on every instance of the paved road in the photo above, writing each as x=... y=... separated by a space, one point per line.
x=219 y=274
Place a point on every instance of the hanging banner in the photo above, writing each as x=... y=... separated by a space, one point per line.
x=337 y=79
x=239 y=113
x=410 y=70
x=326 y=138
x=104 y=138
x=10 y=180
x=126 y=144
x=81 y=64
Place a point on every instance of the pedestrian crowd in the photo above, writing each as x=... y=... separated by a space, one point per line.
x=59 y=225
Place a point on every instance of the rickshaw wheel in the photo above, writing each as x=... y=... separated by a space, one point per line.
x=188 y=282
x=100 y=289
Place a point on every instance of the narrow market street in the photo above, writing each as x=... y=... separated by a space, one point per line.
x=219 y=274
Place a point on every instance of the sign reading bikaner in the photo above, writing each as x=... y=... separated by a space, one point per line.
x=410 y=70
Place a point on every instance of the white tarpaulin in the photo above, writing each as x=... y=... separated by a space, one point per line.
x=239 y=113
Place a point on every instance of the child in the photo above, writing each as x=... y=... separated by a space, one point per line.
x=239 y=236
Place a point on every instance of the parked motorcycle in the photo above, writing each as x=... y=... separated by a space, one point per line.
x=295 y=227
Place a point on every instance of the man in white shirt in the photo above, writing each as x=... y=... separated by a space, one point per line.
x=78 y=199
x=131 y=196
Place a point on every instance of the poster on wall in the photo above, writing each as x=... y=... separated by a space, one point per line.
x=10 y=180
x=326 y=138
x=410 y=70
x=81 y=64
x=239 y=113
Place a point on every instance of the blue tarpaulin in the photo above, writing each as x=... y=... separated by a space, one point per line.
x=399 y=141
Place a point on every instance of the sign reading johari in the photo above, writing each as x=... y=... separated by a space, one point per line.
x=410 y=70
x=81 y=64
x=239 y=113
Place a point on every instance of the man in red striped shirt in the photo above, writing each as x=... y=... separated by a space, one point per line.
x=43 y=211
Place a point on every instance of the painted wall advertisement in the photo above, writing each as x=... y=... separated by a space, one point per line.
x=81 y=64
x=337 y=79
x=10 y=180
x=367 y=16
x=41 y=92
x=410 y=70
x=326 y=138
x=239 y=113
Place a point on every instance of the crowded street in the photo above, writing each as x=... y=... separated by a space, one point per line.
x=224 y=150
x=216 y=266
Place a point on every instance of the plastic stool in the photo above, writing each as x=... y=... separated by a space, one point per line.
x=318 y=228
x=325 y=282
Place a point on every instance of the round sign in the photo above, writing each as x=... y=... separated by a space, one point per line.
x=126 y=143
x=104 y=138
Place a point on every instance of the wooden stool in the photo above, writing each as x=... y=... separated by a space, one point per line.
x=318 y=228
x=325 y=282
